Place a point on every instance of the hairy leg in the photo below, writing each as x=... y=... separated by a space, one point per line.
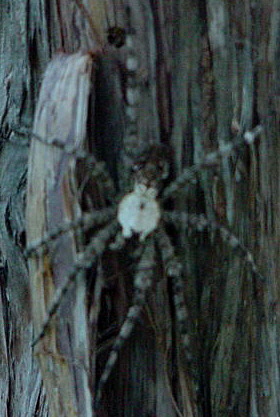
x=142 y=282
x=95 y=249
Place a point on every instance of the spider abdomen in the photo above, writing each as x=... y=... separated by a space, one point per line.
x=139 y=212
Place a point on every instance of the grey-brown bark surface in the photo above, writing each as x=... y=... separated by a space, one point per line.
x=208 y=72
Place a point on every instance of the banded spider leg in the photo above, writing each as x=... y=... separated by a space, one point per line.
x=93 y=251
x=143 y=280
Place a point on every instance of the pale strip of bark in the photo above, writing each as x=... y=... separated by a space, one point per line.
x=52 y=200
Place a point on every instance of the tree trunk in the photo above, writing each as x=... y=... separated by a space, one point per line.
x=206 y=76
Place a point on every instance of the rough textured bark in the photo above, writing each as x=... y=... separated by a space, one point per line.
x=208 y=73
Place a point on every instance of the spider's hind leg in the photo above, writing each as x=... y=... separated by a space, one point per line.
x=84 y=222
x=174 y=271
x=142 y=282
x=200 y=223
x=94 y=249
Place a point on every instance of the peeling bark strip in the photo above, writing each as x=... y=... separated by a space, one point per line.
x=52 y=199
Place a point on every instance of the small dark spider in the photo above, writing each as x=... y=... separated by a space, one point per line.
x=116 y=36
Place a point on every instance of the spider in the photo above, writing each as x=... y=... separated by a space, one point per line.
x=140 y=215
x=116 y=36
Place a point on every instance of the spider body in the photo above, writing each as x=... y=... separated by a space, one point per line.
x=116 y=36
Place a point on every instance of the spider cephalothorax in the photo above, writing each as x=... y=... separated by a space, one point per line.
x=152 y=166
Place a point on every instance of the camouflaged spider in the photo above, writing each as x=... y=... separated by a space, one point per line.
x=140 y=213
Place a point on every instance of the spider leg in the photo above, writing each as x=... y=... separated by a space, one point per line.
x=200 y=223
x=212 y=159
x=98 y=169
x=71 y=150
x=133 y=96
x=142 y=282
x=83 y=222
x=174 y=271
x=94 y=249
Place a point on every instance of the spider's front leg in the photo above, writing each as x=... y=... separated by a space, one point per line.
x=212 y=159
x=142 y=282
